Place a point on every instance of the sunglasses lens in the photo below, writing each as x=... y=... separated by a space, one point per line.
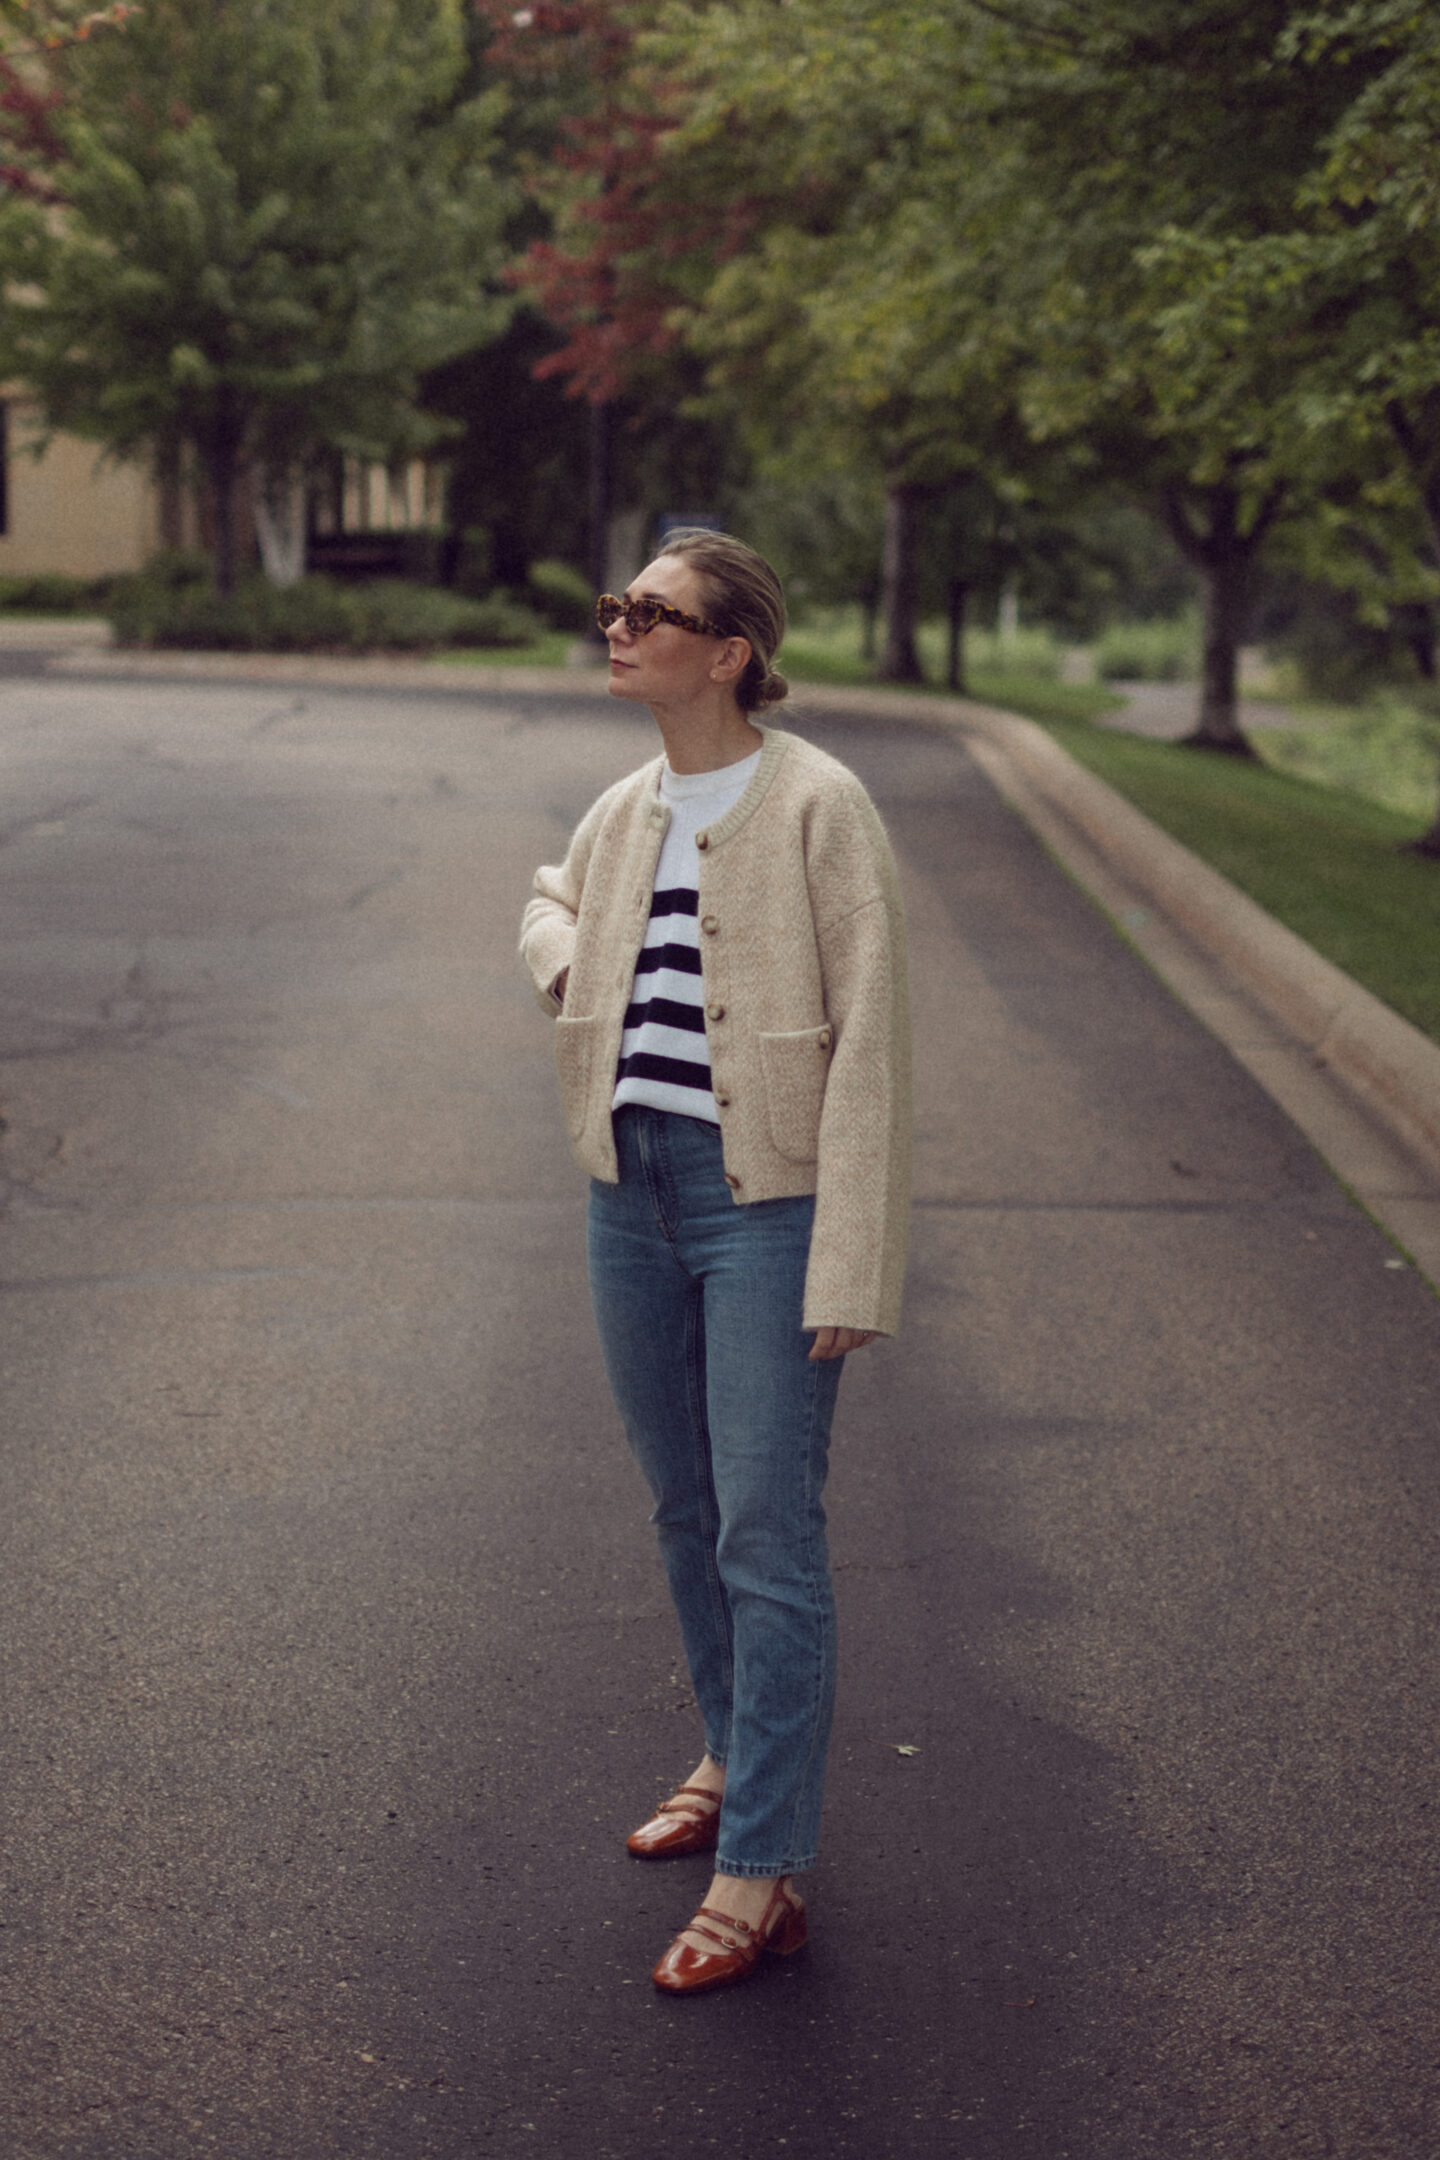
x=607 y=610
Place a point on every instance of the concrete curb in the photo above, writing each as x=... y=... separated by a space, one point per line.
x=1386 y=1060
x=324 y=670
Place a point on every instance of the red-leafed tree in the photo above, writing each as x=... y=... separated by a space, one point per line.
x=29 y=145
x=610 y=271
x=31 y=38
x=629 y=242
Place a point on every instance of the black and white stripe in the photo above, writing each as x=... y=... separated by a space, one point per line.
x=664 y=1056
x=664 y=1046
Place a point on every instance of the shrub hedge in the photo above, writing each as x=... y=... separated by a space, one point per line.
x=1150 y=651
x=168 y=605
x=48 y=593
x=563 y=596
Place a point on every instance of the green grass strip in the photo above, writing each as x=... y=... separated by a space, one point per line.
x=811 y=659
x=550 y=649
x=1326 y=864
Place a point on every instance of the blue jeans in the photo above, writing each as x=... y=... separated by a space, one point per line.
x=698 y=1303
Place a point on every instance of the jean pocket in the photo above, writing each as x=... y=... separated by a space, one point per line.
x=574 y=1056
x=795 y=1065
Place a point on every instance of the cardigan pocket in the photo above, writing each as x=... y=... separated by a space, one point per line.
x=795 y=1065
x=574 y=1056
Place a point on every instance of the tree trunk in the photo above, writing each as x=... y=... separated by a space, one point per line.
x=168 y=488
x=1428 y=844
x=1224 y=554
x=955 y=657
x=223 y=478
x=900 y=661
x=601 y=496
x=1415 y=620
x=222 y=470
x=1226 y=583
x=1417 y=436
x=280 y=525
x=869 y=610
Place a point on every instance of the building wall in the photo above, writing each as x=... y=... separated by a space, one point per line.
x=69 y=511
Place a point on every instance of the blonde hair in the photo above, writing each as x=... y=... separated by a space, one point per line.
x=743 y=597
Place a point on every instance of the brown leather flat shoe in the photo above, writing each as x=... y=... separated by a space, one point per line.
x=689 y=1821
x=781 y=1928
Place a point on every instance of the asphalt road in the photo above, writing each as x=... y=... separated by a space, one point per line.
x=336 y=1660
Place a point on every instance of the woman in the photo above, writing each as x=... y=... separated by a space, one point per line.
x=724 y=947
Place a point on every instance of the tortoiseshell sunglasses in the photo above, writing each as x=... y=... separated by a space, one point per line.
x=641 y=616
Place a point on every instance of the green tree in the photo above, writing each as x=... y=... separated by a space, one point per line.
x=1347 y=287
x=861 y=325
x=28 y=26
x=612 y=246
x=974 y=192
x=945 y=245
x=276 y=215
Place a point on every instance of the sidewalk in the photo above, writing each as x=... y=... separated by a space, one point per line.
x=52 y=633
x=1168 y=711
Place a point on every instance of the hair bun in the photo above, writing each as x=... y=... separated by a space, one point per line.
x=773 y=689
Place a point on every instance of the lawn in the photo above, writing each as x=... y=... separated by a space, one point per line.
x=1021 y=675
x=1387 y=749
x=550 y=649
x=1326 y=862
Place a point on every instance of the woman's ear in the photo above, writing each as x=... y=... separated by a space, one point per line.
x=732 y=660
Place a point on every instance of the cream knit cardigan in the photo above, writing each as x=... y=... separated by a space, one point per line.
x=802 y=947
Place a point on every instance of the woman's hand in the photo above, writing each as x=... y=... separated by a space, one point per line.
x=838 y=1342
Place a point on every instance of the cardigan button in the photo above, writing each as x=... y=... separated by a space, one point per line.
x=714 y=1010
x=702 y=841
x=710 y=924
x=732 y=1181
x=723 y=1101
x=825 y=1038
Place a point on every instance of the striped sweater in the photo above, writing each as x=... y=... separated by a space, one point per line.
x=664 y=1057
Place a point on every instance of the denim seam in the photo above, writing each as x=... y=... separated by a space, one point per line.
x=799 y=1865
x=705 y=1486
x=822 y=1617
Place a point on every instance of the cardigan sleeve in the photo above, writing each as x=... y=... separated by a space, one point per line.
x=862 y=1201
x=547 y=928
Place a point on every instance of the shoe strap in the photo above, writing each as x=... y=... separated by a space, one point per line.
x=753 y=1936
x=701 y=1792
x=783 y=1904
x=740 y=1927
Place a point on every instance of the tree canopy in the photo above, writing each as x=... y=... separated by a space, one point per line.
x=273 y=218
